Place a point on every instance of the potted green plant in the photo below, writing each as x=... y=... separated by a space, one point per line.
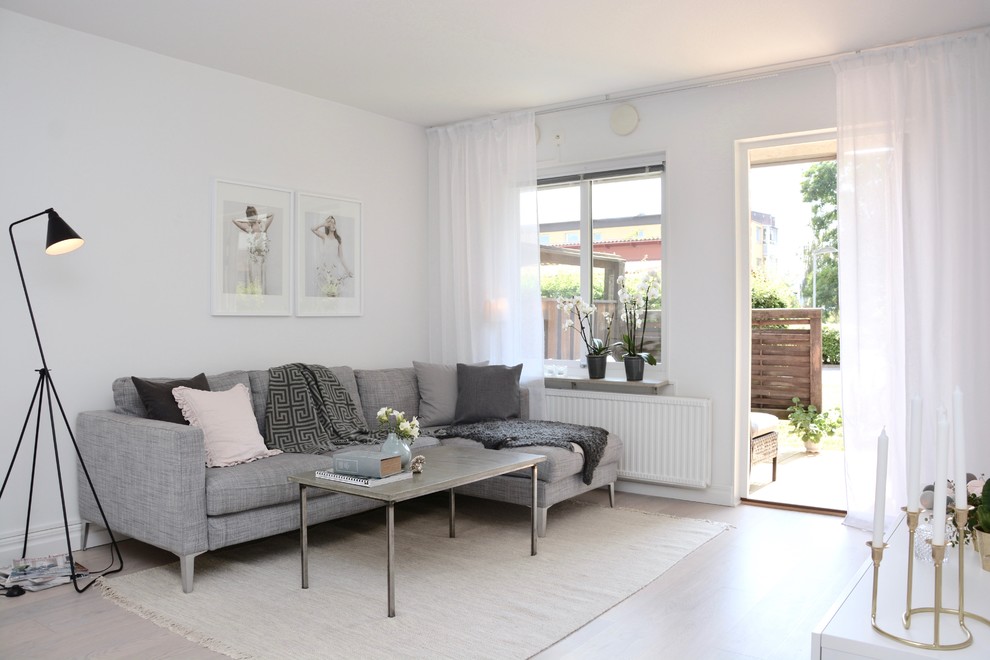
x=635 y=301
x=597 y=350
x=811 y=425
x=981 y=524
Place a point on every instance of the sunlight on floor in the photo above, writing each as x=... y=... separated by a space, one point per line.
x=804 y=479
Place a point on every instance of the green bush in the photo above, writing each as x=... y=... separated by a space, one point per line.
x=566 y=285
x=768 y=293
x=830 y=344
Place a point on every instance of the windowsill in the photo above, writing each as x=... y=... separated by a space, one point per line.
x=611 y=383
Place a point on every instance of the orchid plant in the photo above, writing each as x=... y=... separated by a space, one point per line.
x=394 y=421
x=585 y=313
x=635 y=301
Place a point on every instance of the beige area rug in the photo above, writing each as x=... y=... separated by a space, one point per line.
x=479 y=595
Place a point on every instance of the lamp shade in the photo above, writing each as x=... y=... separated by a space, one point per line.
x=61 y=237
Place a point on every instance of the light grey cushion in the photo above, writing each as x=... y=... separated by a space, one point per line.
x=395 y=388
x=126 y=400
x=487 y=393
x=560 y=462
x=437 y=392
x=761 y=423
x=261 y=483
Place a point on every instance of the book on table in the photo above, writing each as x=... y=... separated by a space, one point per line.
x=366 y=463
x=356 y=480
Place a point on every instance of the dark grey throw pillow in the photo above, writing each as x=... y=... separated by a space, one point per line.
x=487 y=393
x=158 y=400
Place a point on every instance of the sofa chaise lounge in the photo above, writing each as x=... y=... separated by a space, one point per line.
x=154 y=485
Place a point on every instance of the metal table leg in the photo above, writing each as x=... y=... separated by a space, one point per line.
x=533 y=511
x=451 y=513
x=390 y=526
x=303 y=538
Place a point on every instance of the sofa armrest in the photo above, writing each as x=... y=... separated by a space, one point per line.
x=150 y=477
x=523 y=402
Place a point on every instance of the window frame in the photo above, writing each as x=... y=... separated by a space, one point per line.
x=585 y=174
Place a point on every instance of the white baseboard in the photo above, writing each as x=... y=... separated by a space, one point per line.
x=721 y=495
x=51 y=541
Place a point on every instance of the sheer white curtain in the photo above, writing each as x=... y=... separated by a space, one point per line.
x=914 y=240
x=484 y=247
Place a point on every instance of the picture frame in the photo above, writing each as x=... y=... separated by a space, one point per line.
x=328 y=266
x=252 y=239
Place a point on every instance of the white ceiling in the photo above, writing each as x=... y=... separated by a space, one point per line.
x=433 y=62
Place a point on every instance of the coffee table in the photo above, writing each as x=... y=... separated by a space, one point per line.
x=446 y=468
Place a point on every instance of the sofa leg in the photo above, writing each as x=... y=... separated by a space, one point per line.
x=611 y=494
x=541 y=521
x=85 y=536
x=186 y=571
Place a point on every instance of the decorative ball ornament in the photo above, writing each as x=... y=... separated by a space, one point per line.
x=624 y=119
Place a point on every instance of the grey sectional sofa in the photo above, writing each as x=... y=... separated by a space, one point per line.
x=154 y=486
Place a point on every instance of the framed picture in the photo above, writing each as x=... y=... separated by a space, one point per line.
x=328 y=256
x=252 y=229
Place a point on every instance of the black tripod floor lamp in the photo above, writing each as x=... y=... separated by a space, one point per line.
x=61 y=239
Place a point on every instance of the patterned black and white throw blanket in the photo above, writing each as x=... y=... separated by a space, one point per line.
x=515 y=433
x=309 y=411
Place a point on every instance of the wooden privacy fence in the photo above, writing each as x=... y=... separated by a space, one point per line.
x=560 y=344
x=787 y=359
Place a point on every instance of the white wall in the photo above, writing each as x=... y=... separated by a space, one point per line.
x=697 y=130
x=125 y=143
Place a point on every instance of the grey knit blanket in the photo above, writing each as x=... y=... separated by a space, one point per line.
x=514 y=433
x=309 y=411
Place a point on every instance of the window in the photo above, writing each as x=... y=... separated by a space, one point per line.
x=595 y=227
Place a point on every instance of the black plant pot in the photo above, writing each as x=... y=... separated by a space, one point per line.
x=596 y=366
x=634 y=366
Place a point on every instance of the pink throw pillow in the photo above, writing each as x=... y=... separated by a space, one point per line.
x=230 y=430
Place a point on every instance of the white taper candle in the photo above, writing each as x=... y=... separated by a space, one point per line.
x=880 y=503
x=914 y=455
x=959 y=449
x=941 y=461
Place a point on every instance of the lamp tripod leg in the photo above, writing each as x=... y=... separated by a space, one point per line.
x=46 y=388
x=115 y=549
x=17 y=449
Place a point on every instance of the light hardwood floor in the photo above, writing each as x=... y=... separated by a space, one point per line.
x=755 y=591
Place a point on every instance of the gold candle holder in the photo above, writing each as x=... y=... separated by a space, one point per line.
x=912 y=521
x=961 y=516
x=938 y=555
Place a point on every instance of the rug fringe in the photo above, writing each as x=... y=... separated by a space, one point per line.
x=211 y=643
x=719 y=523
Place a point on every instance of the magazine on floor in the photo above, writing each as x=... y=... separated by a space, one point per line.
x=36 y=573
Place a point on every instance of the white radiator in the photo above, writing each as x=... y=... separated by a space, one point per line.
x=667 y=440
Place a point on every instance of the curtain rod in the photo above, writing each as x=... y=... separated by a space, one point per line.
x=735 y=77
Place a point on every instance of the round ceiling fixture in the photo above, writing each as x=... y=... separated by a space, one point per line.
x=624 y=119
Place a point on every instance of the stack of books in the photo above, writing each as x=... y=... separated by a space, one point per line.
x=365 y=468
